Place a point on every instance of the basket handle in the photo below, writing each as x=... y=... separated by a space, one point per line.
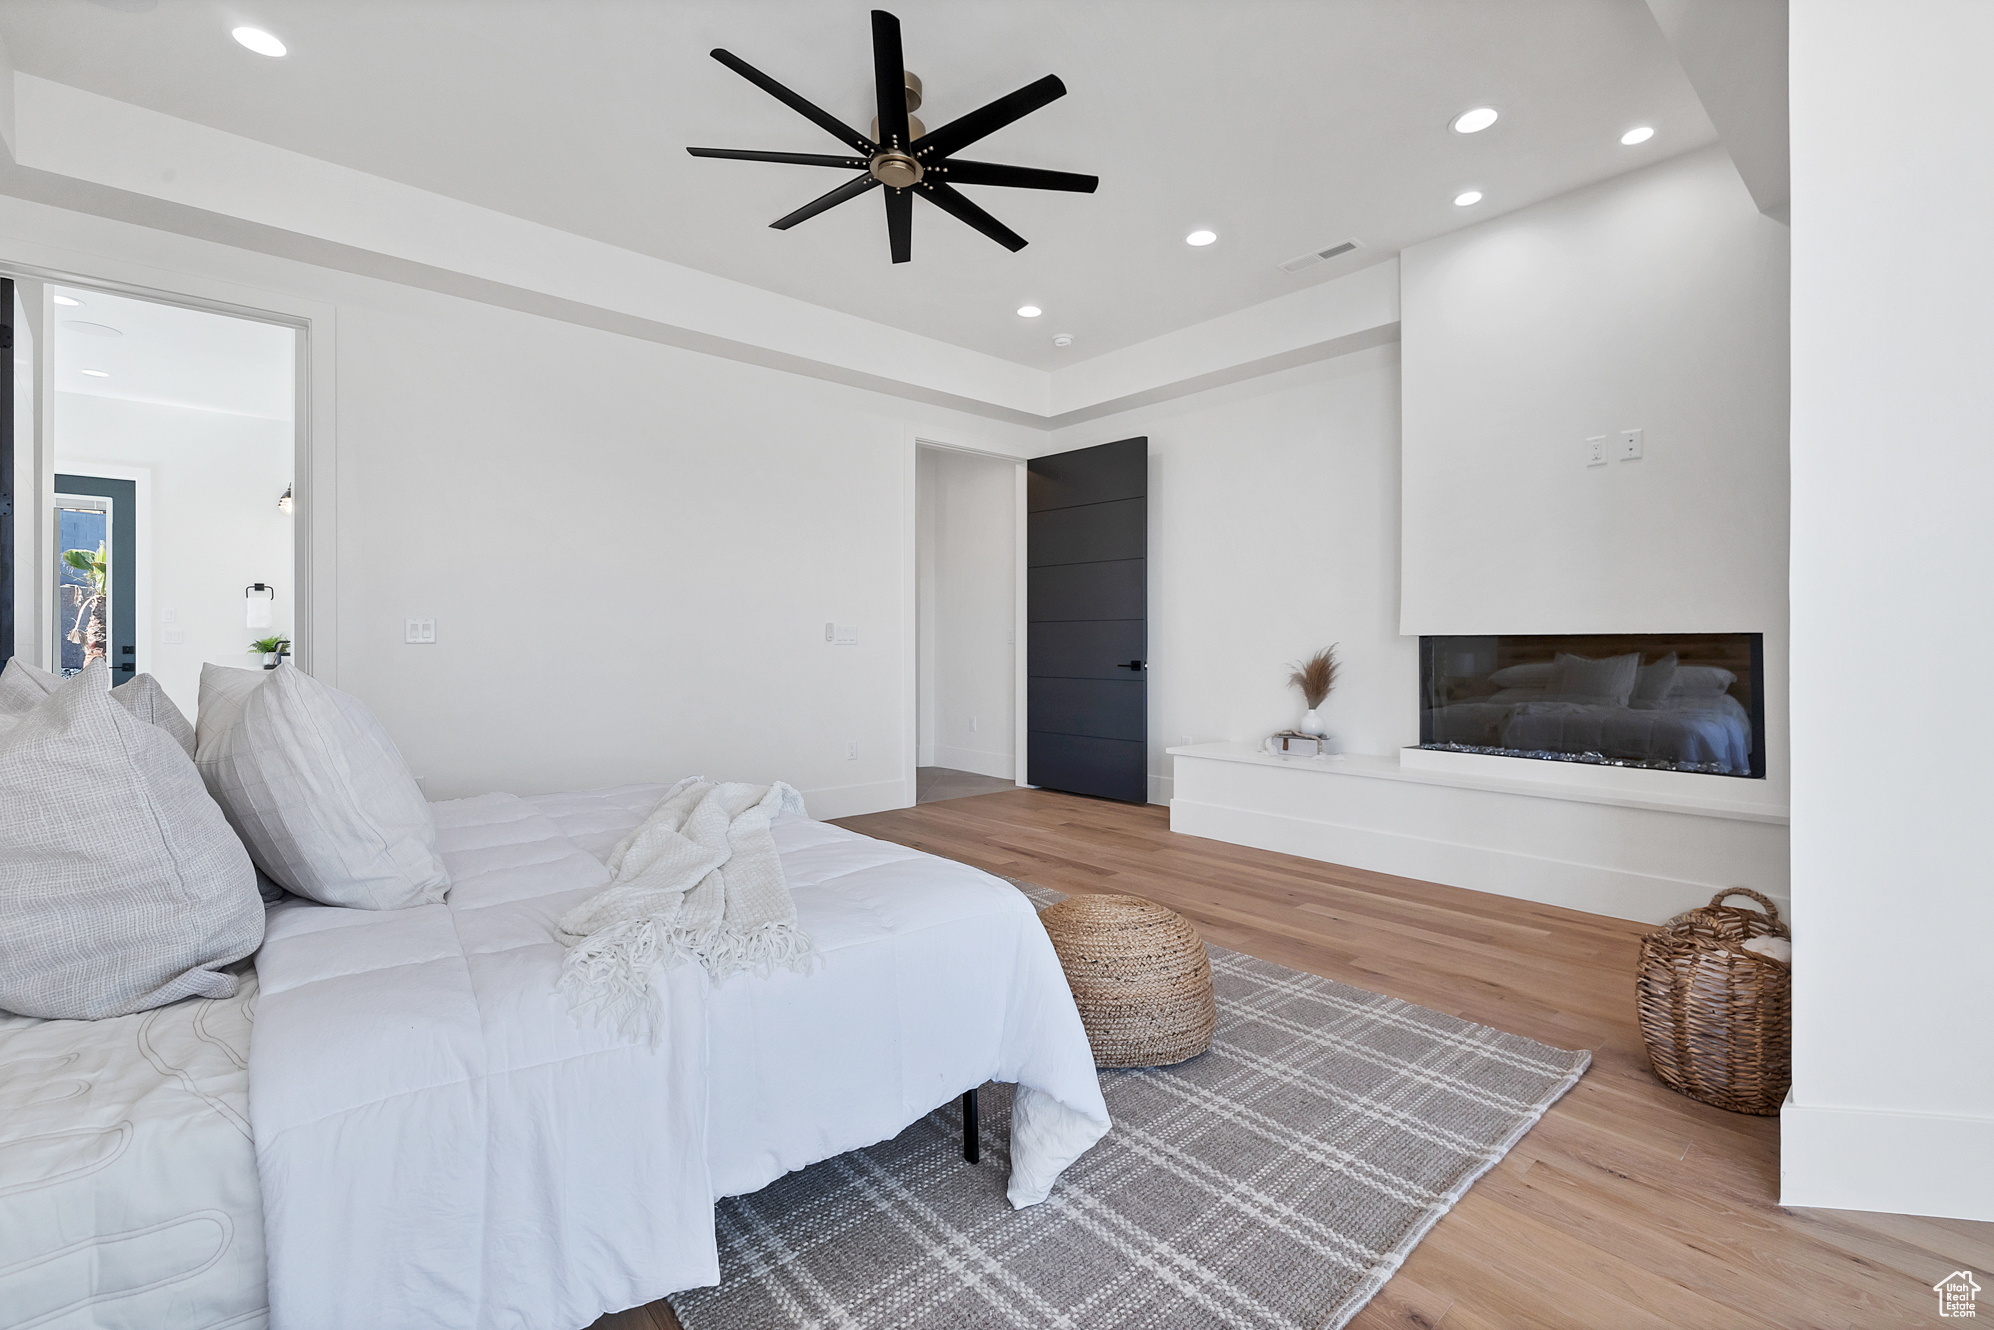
x=1765 y=903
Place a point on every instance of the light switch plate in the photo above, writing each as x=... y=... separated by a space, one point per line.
x=173 y=637
x=1596 y=450
x=844 y=634
x=1629 y=448
x=418 y=630
x=169 y=616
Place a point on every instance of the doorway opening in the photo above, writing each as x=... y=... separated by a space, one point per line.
x=966 y=623
x=172 y=441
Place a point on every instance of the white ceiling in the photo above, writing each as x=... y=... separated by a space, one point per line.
x=1285 y=125
x=171 y=355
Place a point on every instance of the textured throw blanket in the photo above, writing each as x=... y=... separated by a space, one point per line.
x=700 y=878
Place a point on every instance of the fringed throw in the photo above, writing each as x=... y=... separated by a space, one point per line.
x=699 y=879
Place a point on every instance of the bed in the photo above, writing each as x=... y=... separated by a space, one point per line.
x=499 y=1163
x=438 y=1140
x=128 y=1190
x=1710 y=734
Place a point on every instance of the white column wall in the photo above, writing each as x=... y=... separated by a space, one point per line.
x=1893 y=561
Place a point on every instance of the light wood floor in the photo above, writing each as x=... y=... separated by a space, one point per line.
x=1626 y=1206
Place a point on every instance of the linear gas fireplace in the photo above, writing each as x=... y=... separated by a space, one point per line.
x=1664 y=701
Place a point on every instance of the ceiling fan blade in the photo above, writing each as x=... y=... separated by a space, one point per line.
x=985 y=120
x=810 y=110
x=954 y=204
x=851 y=189
x=1018 y=177
x=889 y=77
x=900 y=223
x=792 y=158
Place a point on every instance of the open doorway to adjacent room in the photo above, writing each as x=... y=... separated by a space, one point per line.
x=967 y=596
x=171 y=529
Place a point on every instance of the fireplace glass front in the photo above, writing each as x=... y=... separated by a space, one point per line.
x=1666 y=701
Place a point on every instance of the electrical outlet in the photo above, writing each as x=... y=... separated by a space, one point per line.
x=844 y=634
x=851 y=750
x=1629 y=445
x=1596 y=451
x=173 y=637
x=418 y=630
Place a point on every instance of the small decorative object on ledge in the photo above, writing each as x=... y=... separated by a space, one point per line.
x=1715 y=996
x=1290 y=743
x=1315 y=677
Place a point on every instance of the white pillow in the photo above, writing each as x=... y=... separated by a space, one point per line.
x=23 y=686
x=1534 y=675
x=121 y=886
x=1607 y=681
x=1654 y=681
x=317 y=790
x=1701 y=681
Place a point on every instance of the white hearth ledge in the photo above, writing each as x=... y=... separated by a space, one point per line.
x=1614 y=847
x=1466 y=771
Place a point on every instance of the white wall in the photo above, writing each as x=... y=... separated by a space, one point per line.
x=630 y=549
x=1893 y=558
x=211 y=485
x=1655 y=301
x=968 y=541
x=1273 y=531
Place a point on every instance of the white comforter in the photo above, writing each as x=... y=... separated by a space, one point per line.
x=440 y=1141
x=128 y=1195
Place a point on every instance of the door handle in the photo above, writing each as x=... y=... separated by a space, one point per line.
x=1130 y=665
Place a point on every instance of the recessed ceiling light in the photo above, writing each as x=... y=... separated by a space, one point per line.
x=1029 y=311
x=67 y=300
x=91 y=329
x=1475 y=121
x=259 y=41
x=1468 y=198
x=98 y=373
x=1639 y=134
x=1201 y=237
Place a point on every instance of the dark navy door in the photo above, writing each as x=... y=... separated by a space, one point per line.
x=120 y=535
x=1087 y=612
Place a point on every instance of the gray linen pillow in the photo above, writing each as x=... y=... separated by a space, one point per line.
x=121 y=886
x=23 y=686
x=317 y=790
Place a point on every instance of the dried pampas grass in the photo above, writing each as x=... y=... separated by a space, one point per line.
x=1315 y=676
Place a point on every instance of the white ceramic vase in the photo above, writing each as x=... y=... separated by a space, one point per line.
x=1312 y=723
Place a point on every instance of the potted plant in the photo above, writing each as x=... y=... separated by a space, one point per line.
x=272 y=649
x=1315 y=677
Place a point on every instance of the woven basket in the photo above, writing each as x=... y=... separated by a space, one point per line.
x=1139 y=975
x=1718 y=1019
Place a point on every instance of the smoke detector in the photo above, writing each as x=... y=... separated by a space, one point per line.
x=1315 y=256
x=1062 y=339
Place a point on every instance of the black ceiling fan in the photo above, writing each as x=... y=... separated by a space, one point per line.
x=905 y=156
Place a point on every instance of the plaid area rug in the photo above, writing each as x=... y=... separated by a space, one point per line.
x=1276 y=1181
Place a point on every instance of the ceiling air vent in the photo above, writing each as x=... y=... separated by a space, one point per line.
x=1313 y=257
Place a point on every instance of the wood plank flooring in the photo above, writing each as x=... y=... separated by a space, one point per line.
x=1626 y=1206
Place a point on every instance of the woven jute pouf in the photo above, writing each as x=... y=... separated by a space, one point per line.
x=1139 y=975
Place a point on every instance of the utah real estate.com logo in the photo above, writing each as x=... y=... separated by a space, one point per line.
x=1956 y=1293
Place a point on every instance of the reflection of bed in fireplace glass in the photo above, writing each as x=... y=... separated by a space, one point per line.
x=1665 y=701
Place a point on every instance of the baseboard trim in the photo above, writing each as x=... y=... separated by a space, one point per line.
x=852 y=800
x=1623 y=894
x=999 y=765
x=1894 y=1162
